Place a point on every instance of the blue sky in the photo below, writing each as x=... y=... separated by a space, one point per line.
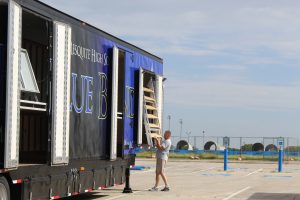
x=233 y=66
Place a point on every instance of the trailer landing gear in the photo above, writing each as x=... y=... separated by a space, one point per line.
x=127 y=188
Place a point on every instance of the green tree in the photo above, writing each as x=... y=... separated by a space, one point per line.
x=247 y=147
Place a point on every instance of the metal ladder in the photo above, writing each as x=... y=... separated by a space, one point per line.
x=151 y=119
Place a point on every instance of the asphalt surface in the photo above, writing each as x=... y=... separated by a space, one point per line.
x=206 y=180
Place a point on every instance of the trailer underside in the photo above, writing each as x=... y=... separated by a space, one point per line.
x=61 y=181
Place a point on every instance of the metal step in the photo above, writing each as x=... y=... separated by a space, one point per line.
x=154 y=129
x=149 y=99
x=150 y=116
x=148 y=90
x=155 y=135
x=153 y=125
x=150 y=107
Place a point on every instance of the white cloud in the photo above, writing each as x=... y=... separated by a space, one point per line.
x=233 y=67
x=196 y=27
x=192 y=93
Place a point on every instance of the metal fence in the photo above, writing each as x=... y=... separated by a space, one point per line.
x=238 y=143
x=265 y=148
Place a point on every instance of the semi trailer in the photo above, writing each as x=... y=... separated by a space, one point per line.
x=75 y=103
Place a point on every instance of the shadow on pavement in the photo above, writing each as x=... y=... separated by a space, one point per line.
x=121 y=190
x=88 y=196
x=274 y=196
x=96 y=195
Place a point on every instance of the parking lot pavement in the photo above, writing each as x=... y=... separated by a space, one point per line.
x=206 y=180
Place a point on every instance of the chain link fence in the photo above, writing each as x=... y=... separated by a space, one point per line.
x=240 y=148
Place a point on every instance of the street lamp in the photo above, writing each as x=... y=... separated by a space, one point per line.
x=169 y=118
x=188 y=134
x=180 y=122
x=203 y=132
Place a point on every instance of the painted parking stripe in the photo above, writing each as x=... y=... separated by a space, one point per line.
x=203 y=170
x=222 y=174
x=256 y=171
x=194 y=172
x=237 y=193
x=277 y=176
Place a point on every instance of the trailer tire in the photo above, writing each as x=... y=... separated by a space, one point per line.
x=4 y=189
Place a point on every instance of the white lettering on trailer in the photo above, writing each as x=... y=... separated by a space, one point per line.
x=102 y=96
x=86 y=94
x=86 y=101
x=89 y=54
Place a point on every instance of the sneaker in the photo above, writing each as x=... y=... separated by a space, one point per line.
x=166 y=189
x=154 y=189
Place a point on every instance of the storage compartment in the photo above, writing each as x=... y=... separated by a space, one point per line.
x=39 y=187
x=35 y=80
x=118 y=175
x=86 y=181
x=100 y=178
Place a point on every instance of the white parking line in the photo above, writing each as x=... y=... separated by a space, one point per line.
x=203 y=170
x=237 y=193
x=256 y=171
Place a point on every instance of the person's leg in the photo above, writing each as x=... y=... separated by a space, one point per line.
x=156 y=179
x=157 y=173
x=159 y=165
x=163 y=175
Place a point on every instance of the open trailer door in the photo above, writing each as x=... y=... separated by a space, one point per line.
x=140 y=107
x=12 y=115
x=149 y=107
x=61 y=93
x=114 y=104
x=159 y=98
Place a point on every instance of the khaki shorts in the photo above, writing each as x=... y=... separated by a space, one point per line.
x=160 y=165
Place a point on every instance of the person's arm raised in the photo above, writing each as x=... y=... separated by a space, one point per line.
x=158 y=144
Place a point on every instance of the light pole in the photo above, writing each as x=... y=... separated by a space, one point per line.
x=188 y=134
x=169 y=118
x=180 y=122
x=203 y=132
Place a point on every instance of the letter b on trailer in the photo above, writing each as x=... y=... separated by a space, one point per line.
x=61 y=93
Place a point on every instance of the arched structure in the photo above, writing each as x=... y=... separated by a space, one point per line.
x=271 y=147
x=183 y=145
x=258 y=147
x=210 y=146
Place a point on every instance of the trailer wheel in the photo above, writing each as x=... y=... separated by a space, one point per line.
x=4 y=189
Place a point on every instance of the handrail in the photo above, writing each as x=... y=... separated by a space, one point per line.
x=33 y=105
